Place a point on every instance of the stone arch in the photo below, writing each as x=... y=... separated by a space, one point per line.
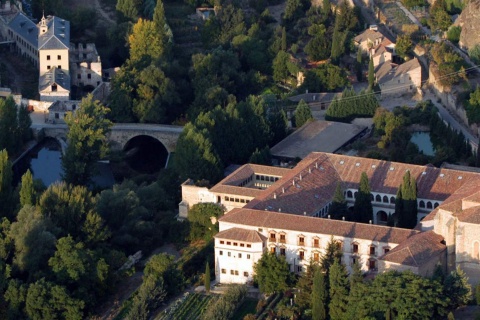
x=421 y=204
x=435 y=205
x=382 y=216
x=349 y=194
x=392 y=199
x=429 y=205
x=378 y=198
x=385 y=199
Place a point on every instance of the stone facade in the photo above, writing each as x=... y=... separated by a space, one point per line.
x=86 y=66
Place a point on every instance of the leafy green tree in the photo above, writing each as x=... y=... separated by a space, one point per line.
x=6 y=188
x=453 y=33
x=145 y=41
x=457 y=288
x=338 y=281
x=474 y=53
x=473 y=107
x=87 y=142
x=326 y=77
x=34 y=244
x=45 y=300
x=338 y=209
x=319 y=296
x=272 y=273
x=207 y=278
x=24 y=124
x=163 y=266
x=403 y=46
x=371 y=75
x=203 y=220
x=303 y=114
x=363 y=210
x=9 y=138
x=225 y=306
x=27 y=190
x=128 y=9
x=439 y=17
x=15 y=295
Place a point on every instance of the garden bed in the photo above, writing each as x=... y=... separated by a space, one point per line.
x=190 y=307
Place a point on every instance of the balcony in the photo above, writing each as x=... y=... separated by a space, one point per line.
x=282 y=240
x=272 y=239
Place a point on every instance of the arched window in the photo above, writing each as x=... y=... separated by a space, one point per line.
x=355 y=194
x=385 y=199
x=475 y=250
x=349 y=194
x=382 y=216
x=422 y=204
x=392 y=199
x=435 y=205
x=429 y=205
x=378 y=198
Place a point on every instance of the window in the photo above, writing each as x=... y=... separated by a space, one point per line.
x=224 y=271
x=260 y=230
x=89 y=76
x=236 y=272
x=229 y=243
x=59 y=67
x=316 y=256
x=240 y=256
x=422 y=204
x=245 y=274
x=57 y=115
x=222 y=242
x=355 y=248
x=48 y=57
x=301 y=241
x=385 y=250
x=79 y=76
x=48 y=67
x=59 y=57
x=229 y=254
x=54 y=87
x=242 y=244
x=282 y=251
x=372 y=265
x=392 y=199
x=385 y=199
x=272 y=250
x=378 y=198
x=220 y=252
x=349 y=194
x=249 y=245
x=248 y=256
x=429 y=205
x=354 y=260
x=372 y=250
x=301 y=255
x=282 y=238
x=235 y=244
x=232 y=272
x=273 y=236
x=316 y=243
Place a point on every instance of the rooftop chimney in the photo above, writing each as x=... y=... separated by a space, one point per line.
x=304 y=213
x=343 y=218
x=328 y=216
x=275 y=195
x=370 y=221
x=283 y=189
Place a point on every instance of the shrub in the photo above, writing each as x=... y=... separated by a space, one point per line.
x=453 y=34
x=224 y=307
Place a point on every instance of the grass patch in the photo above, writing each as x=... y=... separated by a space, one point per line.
x=248 y=306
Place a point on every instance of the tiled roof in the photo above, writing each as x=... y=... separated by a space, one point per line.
x=320 y=173
x=470 y=215
x=239 y=234
x=25 y=27
x=416 y=250
x=316 y=135
x=57 y=35
x=388 y=70
x=284 y=221
x=368 y=35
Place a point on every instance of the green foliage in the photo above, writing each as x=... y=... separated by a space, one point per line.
x=326 y=77
x=127 y=9
x=303 y=114
x=403 y=46
x=338 y=281
x=333 y=252
x=319 y=46
x=207 y=278
x=87 y=142
x=363 y=211
x=203 y=220
x=225 y=306
x=351 y=105
x=338 y=209
x=24 y=124
x=473 y=107
x=439 y=17
x=272 y=273
x=457 y=288
x=371 y=74
x=304 y=285
x=319 y=296
x=407 y=209
x=280 y=68
x=474 y=53
x=414 y=3
x=27 y=190
x=145 y=41
x=6 y=190
x=45 y=300
x=262 y=156
x=9 y=126
x=453 y=33
x=163 y=266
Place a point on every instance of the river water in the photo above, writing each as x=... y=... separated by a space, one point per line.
x=422 y=140
x=44 y=161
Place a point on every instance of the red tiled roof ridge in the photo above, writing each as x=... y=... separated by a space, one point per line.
x=241 y=234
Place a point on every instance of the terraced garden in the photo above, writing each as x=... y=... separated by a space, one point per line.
x=395 y=15
x=190 y=307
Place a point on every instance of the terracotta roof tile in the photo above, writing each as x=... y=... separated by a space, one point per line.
x=239 y=234
x=285 y=221
x=416 y=250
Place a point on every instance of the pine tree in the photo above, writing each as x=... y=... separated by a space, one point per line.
x=371 y=75
x=304 y=285
x=338 y=209
x=207 y=278
x=333 y=252
x=363 y=210
x=319 y=296
x=302 y=114
x=338 y=281
x=27 y=190
x=457 y=288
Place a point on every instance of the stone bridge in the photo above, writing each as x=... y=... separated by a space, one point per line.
x=120 y=133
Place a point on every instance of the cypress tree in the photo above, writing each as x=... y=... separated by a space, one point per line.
x=207 y=278
x=371 y=75
x=406 y=205
x=304 y=285
x=284 y=39
x=363 y=210
x=6 y=189
x=302 y=114
x=333 y=252
x=338 y=281
x=319 y=296
x=338 y=209
x=359 y=64
x=27 y=190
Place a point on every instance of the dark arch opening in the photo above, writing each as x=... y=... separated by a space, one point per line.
x=145 y=154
